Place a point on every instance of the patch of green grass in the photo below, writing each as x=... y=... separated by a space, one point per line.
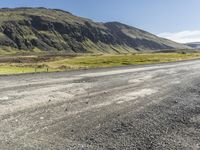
x=7 y=52
x=11 y=69
x=92 y=61
x=119 y=60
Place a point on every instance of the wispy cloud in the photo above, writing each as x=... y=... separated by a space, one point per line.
x=182 y=37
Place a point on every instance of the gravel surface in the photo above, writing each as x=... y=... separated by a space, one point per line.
x=123 y=108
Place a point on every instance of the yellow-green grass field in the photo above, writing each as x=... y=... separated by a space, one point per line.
x=63 y=63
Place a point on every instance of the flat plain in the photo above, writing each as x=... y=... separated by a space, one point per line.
x=12 y=64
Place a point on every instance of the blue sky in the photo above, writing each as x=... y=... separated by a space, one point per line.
x=174 y=19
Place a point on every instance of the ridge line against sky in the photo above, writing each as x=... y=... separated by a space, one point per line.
x=173 y=19
x=183 y=36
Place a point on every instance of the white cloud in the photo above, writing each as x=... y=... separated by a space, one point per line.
x=182 y=37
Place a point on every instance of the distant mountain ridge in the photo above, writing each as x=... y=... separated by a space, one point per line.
x=195 y=45
x=58 y=30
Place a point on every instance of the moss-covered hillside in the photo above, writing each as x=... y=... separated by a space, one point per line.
x=40 y=29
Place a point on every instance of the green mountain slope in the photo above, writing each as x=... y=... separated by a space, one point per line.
x=57 y=30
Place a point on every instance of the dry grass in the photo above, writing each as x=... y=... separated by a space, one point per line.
x=62 y=63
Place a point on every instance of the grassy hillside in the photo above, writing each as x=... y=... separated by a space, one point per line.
x=50 y=30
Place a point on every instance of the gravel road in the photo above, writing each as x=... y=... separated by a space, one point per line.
x=124 y=108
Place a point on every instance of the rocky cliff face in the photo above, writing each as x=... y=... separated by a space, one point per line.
x=56 y=30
